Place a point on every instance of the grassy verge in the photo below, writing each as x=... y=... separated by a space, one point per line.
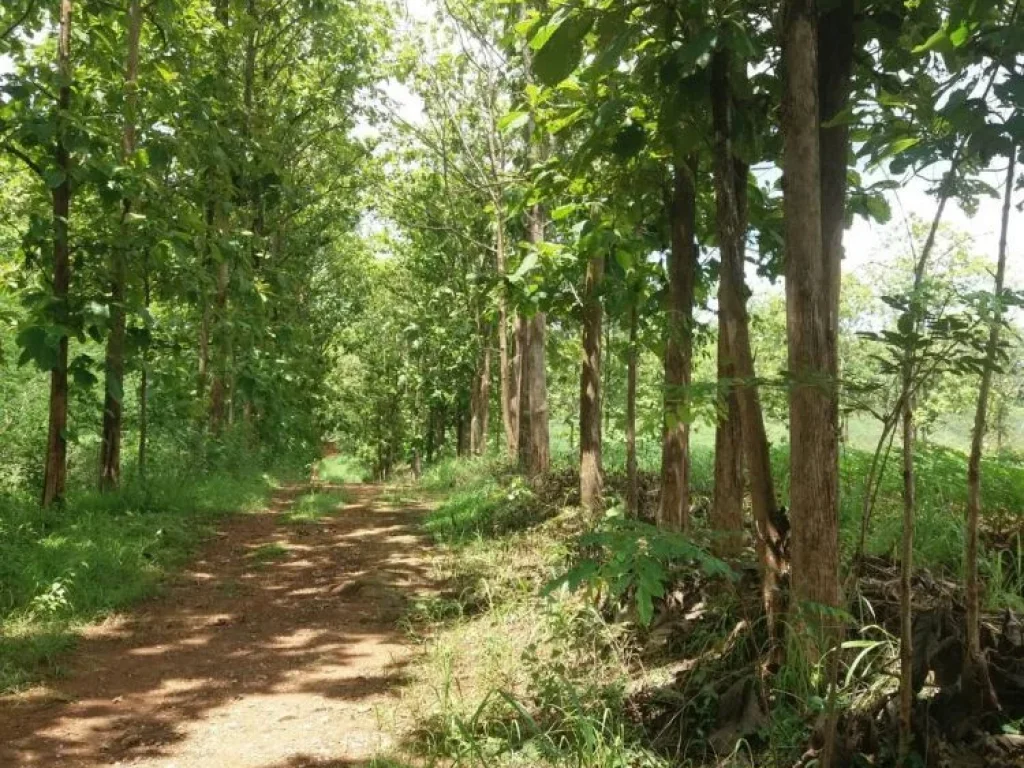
x=63 y=568
x=512 y=676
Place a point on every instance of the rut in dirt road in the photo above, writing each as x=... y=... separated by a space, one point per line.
x=277 y=648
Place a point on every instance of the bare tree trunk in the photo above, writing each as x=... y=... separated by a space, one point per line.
x=534 y=440
x=515 y=410
x=539 y=459
x=977 y=684
x=523 y=428
x=505 y=373
x=480 y=400
x=727 y=506
x=55 y=471
x=674 y=510
x=632 y=481
x=731 y=206
x=110 y=450
x=835 y=64
x=813 y=446
x=591 y=478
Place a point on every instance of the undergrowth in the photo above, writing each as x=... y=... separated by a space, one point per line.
x=641 y=668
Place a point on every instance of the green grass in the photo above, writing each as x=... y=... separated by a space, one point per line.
x=513 y=679
x=268 y=553
x=61 y=568
x=340 y=470
x=311 y=507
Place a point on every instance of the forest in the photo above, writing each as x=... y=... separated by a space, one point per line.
x=590 y=383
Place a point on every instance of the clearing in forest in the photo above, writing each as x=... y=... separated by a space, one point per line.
x=278 y=648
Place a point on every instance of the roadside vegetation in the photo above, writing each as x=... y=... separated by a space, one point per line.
x=539 y=649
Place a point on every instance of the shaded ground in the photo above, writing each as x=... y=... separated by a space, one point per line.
x=278 y=648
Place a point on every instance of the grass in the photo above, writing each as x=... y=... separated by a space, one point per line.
x=314 y=506
x=342 y=469
x=62 y=568
x=510 y=677
x=268 y=553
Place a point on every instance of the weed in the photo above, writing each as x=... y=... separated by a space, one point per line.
x=268 y=553
x=312 y=507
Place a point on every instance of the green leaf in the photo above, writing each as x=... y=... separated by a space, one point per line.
x=939 y=42
x=528 y=264
x=513 y=121
x=562 y=50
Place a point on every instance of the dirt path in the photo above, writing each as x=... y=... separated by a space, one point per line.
x=278 y=648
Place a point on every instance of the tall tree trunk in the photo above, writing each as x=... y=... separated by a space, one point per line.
x=727 y=505
x=480 y=401
x=632 y=480
x=835 y=64
x=534 y=440
x=539 y=457
x=591 y=477
x=673 y=512
x=55 y=471
x=505 y=373
x=219 y=388
x=731 y=207
x=977 y=684
x=522 y=388
x=813 y=447
x=113 y=404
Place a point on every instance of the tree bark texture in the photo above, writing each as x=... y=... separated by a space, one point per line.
x=731 y=214
x=591 y=475
x=55 y=469
x=813 y=445
x=673 y=511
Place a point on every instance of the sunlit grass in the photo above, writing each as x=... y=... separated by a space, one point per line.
x=315 y=506
x=340 y=469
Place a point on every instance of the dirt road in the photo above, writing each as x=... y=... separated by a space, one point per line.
x=277 y=648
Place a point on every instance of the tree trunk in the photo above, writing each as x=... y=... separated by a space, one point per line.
x=534 y=441
x=727 y=506
x=731 y=208
x=591 y=477
x=977 y=685
x=113 y=405
x=505 y=374
x=632 y=481
x=673 y=512
x=813 y=445
x=481 y=401
x=522 y=397
x=835 y=65
x=539 y=457
x=55 y=471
